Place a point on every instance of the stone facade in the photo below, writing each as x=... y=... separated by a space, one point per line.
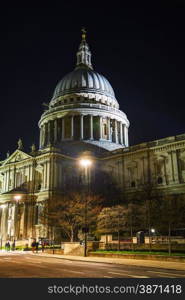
x=83 y=115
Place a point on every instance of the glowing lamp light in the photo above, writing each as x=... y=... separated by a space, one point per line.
x=3 y=206
x=17 y=197
x=152 y=230
x=85 y=162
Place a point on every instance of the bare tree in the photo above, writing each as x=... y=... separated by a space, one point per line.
x=112 y=220
x=171 y=215
x=66 y=213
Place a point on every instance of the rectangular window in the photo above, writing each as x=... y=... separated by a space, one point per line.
x=36 y=214
x=105 y=129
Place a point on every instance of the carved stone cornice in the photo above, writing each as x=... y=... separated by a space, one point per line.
x=116 y=114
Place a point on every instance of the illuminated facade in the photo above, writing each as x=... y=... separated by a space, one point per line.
x=83 y=115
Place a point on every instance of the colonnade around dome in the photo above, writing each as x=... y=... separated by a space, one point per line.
x=83 y=127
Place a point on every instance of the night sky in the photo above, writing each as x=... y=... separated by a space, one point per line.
x=140 y=50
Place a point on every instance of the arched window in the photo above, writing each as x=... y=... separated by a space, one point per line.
x=159 y=180
x=133 y=184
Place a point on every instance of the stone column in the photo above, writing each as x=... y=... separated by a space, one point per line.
x=48 y=167
x=165 y=171
x=63 y=128
x=116 y=131
x=5 y=181
x=9 y=176
x=29 y=220
x=46 y=134
x=113 y=131
x=43 y=135
x=22 y=219
x=55 y=172
x=49 y=133
x=44 y=176
x=40 y=140
x=108 y=129
x=81 y=127
x=91 y=127
x=29 y=178
x=25 y=220
x=178 y=165
x=72 y=127
x=174 y=168
x=121 y=133
x=4 y=223
x=55 y=131
x=100 y=127
x=125 y=135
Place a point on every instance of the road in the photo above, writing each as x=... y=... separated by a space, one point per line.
x=24 y=265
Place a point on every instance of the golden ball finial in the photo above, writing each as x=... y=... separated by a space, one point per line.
x=83 y=33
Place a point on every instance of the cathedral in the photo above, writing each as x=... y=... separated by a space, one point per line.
x=82 y=119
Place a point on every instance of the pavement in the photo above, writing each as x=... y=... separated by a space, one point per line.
x=133 y=262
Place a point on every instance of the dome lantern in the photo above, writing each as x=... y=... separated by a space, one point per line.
x=84 y=54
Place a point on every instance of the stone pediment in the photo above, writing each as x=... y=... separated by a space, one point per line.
x=16 y=156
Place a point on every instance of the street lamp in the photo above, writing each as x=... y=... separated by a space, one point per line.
x=152 y=230
x=86 y=164
x=17 y=197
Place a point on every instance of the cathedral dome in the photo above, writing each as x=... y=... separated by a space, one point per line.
x=84 y=109
x=83 y=79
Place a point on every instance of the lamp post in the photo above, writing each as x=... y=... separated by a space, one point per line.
x=152 y=234
x=86 y=164
x=152 y=230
